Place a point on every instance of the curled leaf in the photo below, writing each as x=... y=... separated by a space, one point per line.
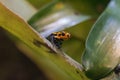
x=102 y=51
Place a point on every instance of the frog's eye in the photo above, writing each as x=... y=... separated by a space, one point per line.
x=59 y=34
x=55 y=34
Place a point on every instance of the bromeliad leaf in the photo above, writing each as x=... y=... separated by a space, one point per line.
x=36 y=49
x=102 y=53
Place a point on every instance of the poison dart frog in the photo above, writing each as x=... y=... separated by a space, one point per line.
x=56 y=38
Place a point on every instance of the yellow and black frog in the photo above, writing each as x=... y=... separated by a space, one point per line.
x=57 y=38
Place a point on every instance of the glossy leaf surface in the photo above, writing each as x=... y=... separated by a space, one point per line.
x=61 y=14
x=102 y=51
x=75 y=16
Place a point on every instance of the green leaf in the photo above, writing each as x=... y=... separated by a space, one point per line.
x=75 y=16
x=39 y=3
x=102 y=53
x=78 y=37
x=27 y=40
x=89 y=7
x=56 y=16
x=61 y=14
x=20 y=7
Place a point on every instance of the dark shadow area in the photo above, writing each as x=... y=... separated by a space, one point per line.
x=14 y=65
